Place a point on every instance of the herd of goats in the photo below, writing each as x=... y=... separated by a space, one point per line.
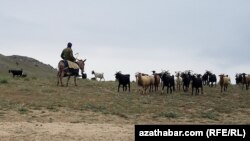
x=181 y=80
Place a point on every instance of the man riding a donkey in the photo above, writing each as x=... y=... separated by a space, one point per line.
x=67 y=53
x=69 y=66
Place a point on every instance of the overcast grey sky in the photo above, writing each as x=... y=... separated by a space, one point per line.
x=131 y=35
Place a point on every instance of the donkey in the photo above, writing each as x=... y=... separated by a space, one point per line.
x=62 y=71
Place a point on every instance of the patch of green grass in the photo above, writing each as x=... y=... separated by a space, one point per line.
x=3 y=81
x=94 y=108
x=34 y=78
x=51 y=120
x=22 y=110
x=26 y=79
x=37 y=108
x=120 y=114
x=224 y=109
x=47 y=90
x=76 y=121
x=210 y=115
x=26 y=89
x=170 y=114
x=52 y=108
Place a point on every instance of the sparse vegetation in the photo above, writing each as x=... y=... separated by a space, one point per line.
x=3 y=81
x=38 y=92
x=102 y=97
x=27 y=65
x=170 y=114
x=210 y=115
x=22 y=109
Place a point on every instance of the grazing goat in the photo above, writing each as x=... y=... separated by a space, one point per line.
x=124 y=80
x=245 y=80
x=168 y=81
x=143 y=81
x=197 y=83
x=224 y=82
x=98 y=75
x=16 y=72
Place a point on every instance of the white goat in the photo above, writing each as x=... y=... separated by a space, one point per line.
x=178 y=80
x=98 y=75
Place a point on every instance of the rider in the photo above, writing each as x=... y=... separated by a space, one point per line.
x=67 y=53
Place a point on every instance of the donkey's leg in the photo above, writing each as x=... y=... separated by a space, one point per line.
x=68 y=80
x=75 y=80
x=58 y=78
x=61 y=76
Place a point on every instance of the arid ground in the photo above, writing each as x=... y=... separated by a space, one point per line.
x=36 y=109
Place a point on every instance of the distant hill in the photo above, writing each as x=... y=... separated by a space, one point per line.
x=32 y=67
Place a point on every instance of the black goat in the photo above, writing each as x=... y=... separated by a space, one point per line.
x=186 y=76
x=209 y=79
x=238 y=78
x=84 y=76
x=205 y=78
x=212 y=78
x=197 y=83
x=16 y=72
x=124 y=80
x=168 y=81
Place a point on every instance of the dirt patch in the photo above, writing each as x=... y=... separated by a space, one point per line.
x=63 y=125
x=35 y=109
x=61 y=131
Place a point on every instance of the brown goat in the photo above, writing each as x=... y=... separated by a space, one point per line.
x=224 y=82
x=143 y=81
x=157 y=77
x=245 y=80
